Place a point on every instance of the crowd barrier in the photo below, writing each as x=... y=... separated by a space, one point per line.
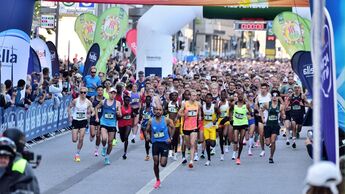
x=38 y=119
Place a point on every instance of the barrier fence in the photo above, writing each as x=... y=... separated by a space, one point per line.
x=38 y=119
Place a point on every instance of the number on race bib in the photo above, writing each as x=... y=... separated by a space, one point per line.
x=239 y=116
x=208 y=117
x=158 y=134
x=296 y=107
x=192 y=113
x=127 y=117
x=81 y=115
x=172 y=110
x=109 y=115
x=223 y=114
x=272 y=118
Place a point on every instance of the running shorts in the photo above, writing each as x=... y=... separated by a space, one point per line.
x=269 y=130
x=109 y=129
x=188 y=132
x=160 y=148
x=79 y=124
x=210 y=133
x=245 y=127
x=251 y=122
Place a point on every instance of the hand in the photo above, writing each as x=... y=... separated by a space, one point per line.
x=148 y=138
x=97 y=120
x=168 y=141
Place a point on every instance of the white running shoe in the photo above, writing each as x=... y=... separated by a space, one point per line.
x=213 y=151
x=196 y=157
x=208 y=163
x=250 y=152
x=262 y=154
x=170 y=154
x=226 y=149
x=233 y=156
x=222 y=157
x=175 y=157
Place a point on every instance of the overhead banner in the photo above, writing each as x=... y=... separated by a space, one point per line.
x=302 y=65
x=85 y=26
x=43 y=53
x=91 y=58
x=34 y=62
x=292 y=31
x=131 y=40
x=14 y=55
x=54 y=58
x=336 y=30
x=247 y=3
x=111 y=26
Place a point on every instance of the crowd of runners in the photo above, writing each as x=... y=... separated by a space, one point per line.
x=235 y=105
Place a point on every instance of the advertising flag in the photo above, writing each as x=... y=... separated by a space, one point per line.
x=131 y=39
x=111 y=26
x=54 y=58
x=302 y=65
x=91 y=58
x=43 y=53
x=34 y=62
x=85 y=26
x=292 y=31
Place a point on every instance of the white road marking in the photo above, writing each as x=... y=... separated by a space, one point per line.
x=148 y=188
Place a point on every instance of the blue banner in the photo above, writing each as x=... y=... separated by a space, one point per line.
x=54 y=58
x=302 y=65
x=38 y=119
x=91 y=58
x=34 y=62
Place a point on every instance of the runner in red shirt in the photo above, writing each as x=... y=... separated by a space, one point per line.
x=125 y=123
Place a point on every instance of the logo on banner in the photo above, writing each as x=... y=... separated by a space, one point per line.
x=111 y=27
x=93 y=57
x=293 y=32
x=308 y=70
x=8 y=55
x=52 y=55
x=326 y=64
x=86 y=4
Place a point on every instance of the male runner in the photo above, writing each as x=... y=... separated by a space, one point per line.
x=111 y=111
x=159 y=131
x=223 y=130
x=82 y=109
x=146 y=113
x=94 y=126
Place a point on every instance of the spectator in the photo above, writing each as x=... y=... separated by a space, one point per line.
x=46 y=73
x=3 y=103
x=19 y=101
x=29 y=97
x=141 y=81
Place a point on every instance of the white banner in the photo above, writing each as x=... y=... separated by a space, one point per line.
x=43 y=53
x=14 y=53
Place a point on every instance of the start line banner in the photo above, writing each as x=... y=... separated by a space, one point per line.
x=38 y=119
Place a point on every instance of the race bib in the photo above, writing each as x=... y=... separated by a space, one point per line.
x=91 y=89
x=239 y=116
x=127 y=117
x=109 y=116
x=158 y=135
x=99 y=110
x=296 y=107
x=192 y=113
x=273 y=118
x=172 y=109
x=81 y=115
x=208 y=117
x=145 y=116
x=223 y=114
x=135 y=100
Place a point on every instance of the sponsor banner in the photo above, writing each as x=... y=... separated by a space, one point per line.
x=91 y=58
x=242 y=3
x=111 y=26
x=14 y=54
x=335 y=19
x=38 y=119
x=34 y=62
x=54 y=57
x=292 y=32
x=270 y=50
x=302 y=65
x=43 y=53
x=131 y=40
x=47 y=21
x=85 y=26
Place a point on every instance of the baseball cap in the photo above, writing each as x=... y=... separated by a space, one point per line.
x=112 y=90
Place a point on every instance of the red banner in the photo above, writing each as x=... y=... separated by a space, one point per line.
x=241 y=3
x=131 y=40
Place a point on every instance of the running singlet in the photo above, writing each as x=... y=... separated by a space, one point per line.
x=262 y=100
x=146 y=117
x=94 y=104
x=191 y=120
x=224 y=110
x=159 y=131
x=108 y=115
x=273 y=115
x=80 y=110
x=135 y=99
x=295 y=103
x=209 y=116
x=126 y=119
x=240 y=115
x=172 y=108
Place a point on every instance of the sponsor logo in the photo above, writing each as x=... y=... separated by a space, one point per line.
x=326 y=63
x=93 y=57
x=8 y=55
x=308 y=70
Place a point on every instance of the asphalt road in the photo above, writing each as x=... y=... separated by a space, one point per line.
x=58 y=173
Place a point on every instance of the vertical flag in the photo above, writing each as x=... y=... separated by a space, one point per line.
x=131 y=39
x=54 y=58
x=91 y=58
x=85 y=26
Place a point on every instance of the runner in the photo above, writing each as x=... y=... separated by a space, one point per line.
x=159 y=131
x=125 y=123
x=261 y=99
x=272 y=127
x=191 y=113
x=94 y=126
x=185 y=97
x=146 y=113
x=111 y=111
x=135 y=105
x=287 y=122
x=210 y=125
x=223 y=129
x=251 y=122
x=82 y=109
x=172 y=109
x=240 y=111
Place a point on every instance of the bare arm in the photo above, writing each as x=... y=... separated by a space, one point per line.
x=72 y=105
x=118 y=109
x=181 y=111
x=171 y=127
x=96 y=109
x=148 y=130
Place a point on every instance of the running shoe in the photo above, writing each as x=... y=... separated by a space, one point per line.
x=114 y=142
x=233 y=156
x=294 y=145
x=202 y=156
x=147 y=158
x=270 y=161
x=142 y=136
x=170 y=154
x=244 y=141
x=106 y=161
x=133 y=140
x=175 y=157
x=196 y=157
x=222 y=157
x=184 y=160
x=226 y=149
x=190 y=165
x=104 y=151
x=287 y=142
x=124 y=156
x=157 y=184
x=96 y=153
x=213 y=151
x=257 y=144
x=250 y=152
x=208 y=163
x=77 y=158
x=262 y=154
x=238 y=161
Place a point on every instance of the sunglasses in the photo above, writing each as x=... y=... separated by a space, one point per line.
x=82 y=92
x=275 y=94
x=93 y=72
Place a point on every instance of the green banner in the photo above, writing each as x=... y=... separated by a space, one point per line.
x=238 y=13
x=292 y=31
x=111 y=26
x=85 y=26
